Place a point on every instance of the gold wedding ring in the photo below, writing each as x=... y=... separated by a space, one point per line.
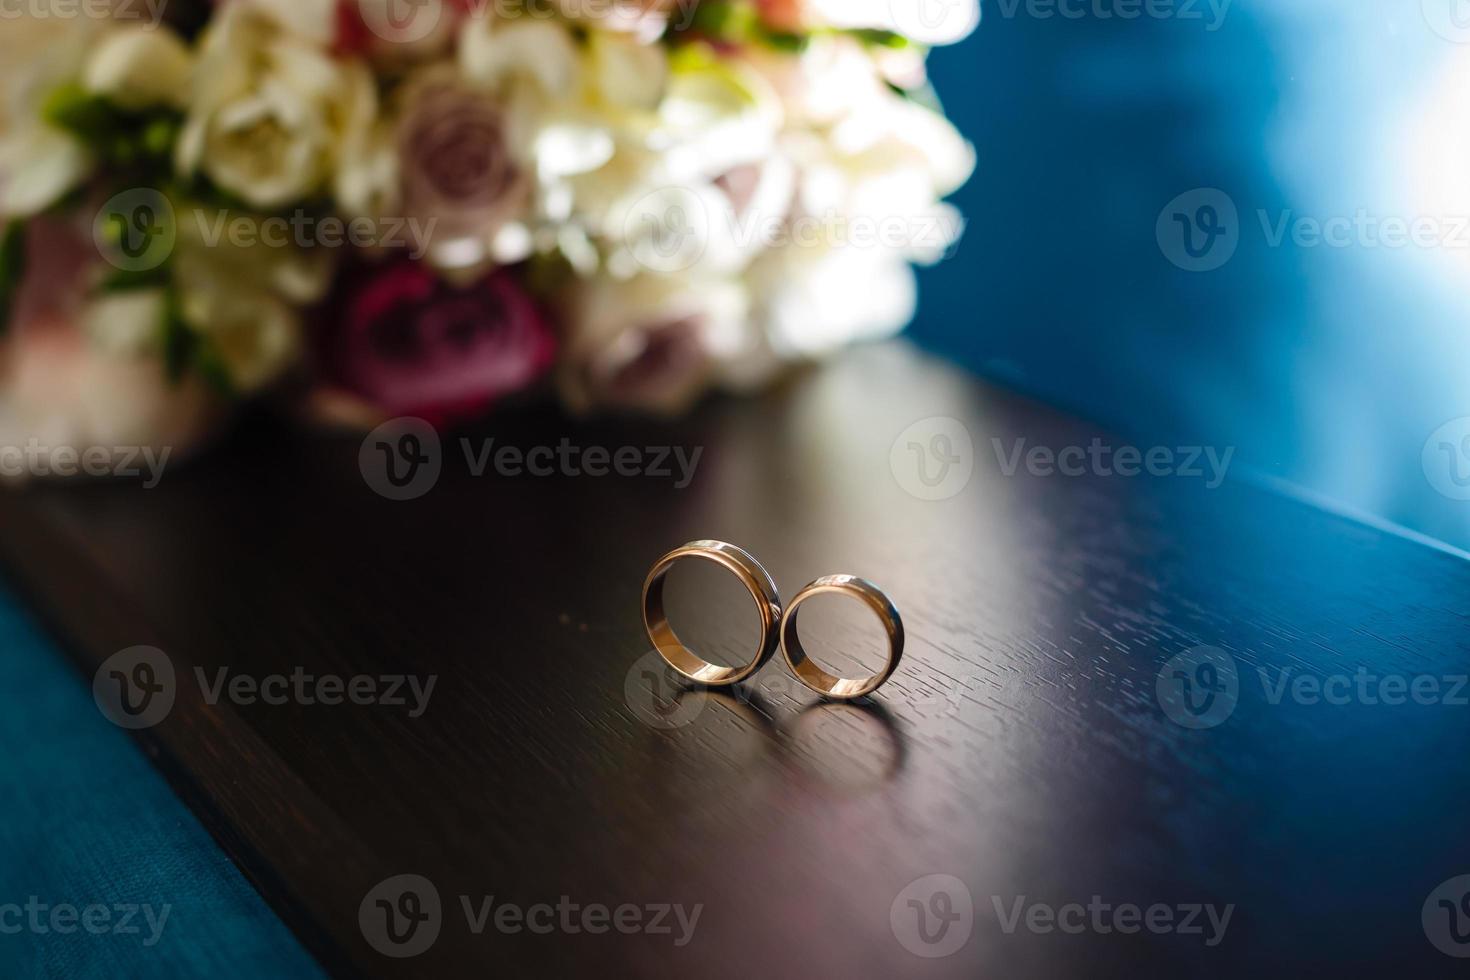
x=806 y=669
x=757 y=582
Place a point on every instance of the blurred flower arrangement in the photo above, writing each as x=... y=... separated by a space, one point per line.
x=421 y=207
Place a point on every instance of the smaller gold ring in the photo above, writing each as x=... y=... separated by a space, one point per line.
x=806 y=669
x=757 y=582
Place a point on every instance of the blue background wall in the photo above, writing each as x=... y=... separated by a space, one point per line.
x=1328 y=366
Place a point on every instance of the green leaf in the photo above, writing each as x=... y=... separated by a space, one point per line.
x=87 y=116
x=159 y=135
x=784 y=41
x=212 y=369
x=125 y=139
x=726 y=20
x=185 y=349
x=179 y=341
x=881 y=39
x=12 y=268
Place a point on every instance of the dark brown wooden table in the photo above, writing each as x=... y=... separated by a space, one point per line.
x=1023 y=747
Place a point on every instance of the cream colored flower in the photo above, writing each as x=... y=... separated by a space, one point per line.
x=658 y=203
x=140 y=66
x=644 y=20
x=508 y=55
x=311 y=20
x=39 y=164
x=868 y=161
x=814 y=300
x=872 y=169
x=244 y=299
x=925 y=21
x=128 y=322
x=272 y=117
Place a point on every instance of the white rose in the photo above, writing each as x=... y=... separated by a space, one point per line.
x=662 y=201
x=311 y=20
x=127 y=322
x=925 y=21
x=38 y=163
x=500 y=53
x=272 y=117
x=140 y=66
x=644 y=20
x=244 y=299
x=869 y=162
x=718 y=114
x=814 y=300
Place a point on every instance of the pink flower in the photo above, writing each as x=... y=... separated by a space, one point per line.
x=411 y=344
x=457 y=167
x=649 y=344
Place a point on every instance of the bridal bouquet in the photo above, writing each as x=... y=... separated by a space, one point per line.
x=420 y=207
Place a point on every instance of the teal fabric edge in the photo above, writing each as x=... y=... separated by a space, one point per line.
x=105 y=872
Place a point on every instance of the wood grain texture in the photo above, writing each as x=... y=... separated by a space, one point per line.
x=1021 y=748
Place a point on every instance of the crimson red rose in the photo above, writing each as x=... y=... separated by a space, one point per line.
x=412 y=344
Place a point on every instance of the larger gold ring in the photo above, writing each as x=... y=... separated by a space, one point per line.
x=806 y=669
x=757 y=582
